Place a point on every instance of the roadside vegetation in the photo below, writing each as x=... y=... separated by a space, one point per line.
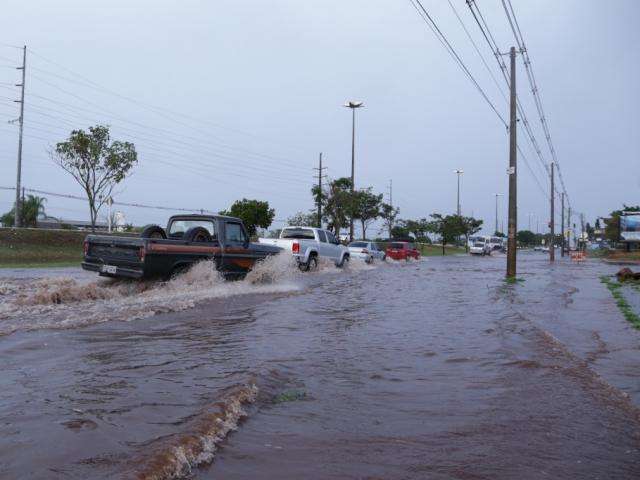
x=40 y=247
x=615 y=287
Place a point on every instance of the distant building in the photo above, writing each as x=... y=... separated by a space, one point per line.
x=60 y=223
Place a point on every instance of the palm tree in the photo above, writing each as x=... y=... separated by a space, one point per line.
x=32 y=208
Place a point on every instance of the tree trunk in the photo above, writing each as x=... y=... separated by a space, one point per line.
x=364 y=230
x=443 y=242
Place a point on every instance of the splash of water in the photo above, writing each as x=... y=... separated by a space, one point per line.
x=67 y=303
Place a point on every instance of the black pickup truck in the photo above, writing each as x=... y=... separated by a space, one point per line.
x=188 y=239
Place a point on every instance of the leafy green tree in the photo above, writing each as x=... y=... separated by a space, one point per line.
x=527 y=238
x=499 y=234
x=31 y=209
x=447 y=228
x=389 y=214
x=366 y=208
x=96 y=163
x=399 y=229
x=337 y=203
x=612 y=224
x=302 y=219
x=253 y=213
x=451 y=227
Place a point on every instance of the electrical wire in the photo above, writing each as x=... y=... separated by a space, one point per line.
x=452 y=52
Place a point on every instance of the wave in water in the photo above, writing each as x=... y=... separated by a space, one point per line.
x=180 y=455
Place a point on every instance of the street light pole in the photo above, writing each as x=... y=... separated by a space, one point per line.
x=459 y=172
x=353 y=105
x=497 y=195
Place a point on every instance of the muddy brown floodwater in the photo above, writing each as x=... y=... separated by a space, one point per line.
x=433 y=369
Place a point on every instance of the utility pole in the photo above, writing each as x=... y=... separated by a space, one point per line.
x=458 y=172
x=18 y=215
x=390 y=204
x=552 y=249
x=513 y=179
x=562 y=225
x=569 y=225
x=497 y=195
x=583 y=243
x=320 y=176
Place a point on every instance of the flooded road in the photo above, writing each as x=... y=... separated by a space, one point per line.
x=433 y=369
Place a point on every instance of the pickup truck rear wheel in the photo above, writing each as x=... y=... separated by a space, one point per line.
x=311 y=264
x=197 y=234
x=153 y=231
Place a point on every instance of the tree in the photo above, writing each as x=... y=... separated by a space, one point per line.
x=31 y=209
x=499 y=234
x=597 y=226
x=389 y=214
x=612 y=224
x=337 y=203
x=470 y=227
x=527 y=238
x=96 y=163
x=399 y=229
x=451 y=227
x=302 y=219
x=366 y=208
x=253 y=213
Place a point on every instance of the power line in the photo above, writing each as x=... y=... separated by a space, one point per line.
x=137 y=205
x=517 y=33
x=154 y=108
x=493 y=46
x=452 y=52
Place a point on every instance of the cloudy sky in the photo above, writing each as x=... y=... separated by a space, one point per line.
x=228 y=99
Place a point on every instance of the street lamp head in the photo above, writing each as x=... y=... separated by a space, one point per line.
x=459 y=172
x=351 y=104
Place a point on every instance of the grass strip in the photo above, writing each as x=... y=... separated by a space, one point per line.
x=616 y=290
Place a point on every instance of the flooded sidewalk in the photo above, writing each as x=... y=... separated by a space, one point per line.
x=433 y=369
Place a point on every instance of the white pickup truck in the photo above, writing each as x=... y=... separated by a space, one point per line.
x=308 y=245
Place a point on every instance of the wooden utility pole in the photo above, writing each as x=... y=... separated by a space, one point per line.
x=319 y=200
x=18 y=214
x=552 y=250
x=513 y=178
x=391 y=205
x=562 y=225
x=570 y=229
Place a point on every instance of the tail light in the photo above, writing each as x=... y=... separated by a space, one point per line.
x=295 y=247
x=85 y=248
x=141 y=253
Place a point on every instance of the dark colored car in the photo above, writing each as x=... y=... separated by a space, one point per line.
x=402 y=251
x=187 y=239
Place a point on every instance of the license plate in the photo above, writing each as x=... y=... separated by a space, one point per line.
x=108 y=269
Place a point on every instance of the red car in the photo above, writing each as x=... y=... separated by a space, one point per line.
x=402 y=251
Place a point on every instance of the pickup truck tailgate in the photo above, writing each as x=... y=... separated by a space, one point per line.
x=114 y=256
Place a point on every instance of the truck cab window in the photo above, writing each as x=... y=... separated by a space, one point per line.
x=322 y=236
x=179 y=227
x=234 y=233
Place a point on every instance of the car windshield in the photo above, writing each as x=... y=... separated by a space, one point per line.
x=179 y=227
x=496 y=240
x=299 y=233
x=358 y=244
x=398 y=246
x=478 y=244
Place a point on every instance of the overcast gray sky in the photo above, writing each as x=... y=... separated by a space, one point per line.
x=267 y=80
